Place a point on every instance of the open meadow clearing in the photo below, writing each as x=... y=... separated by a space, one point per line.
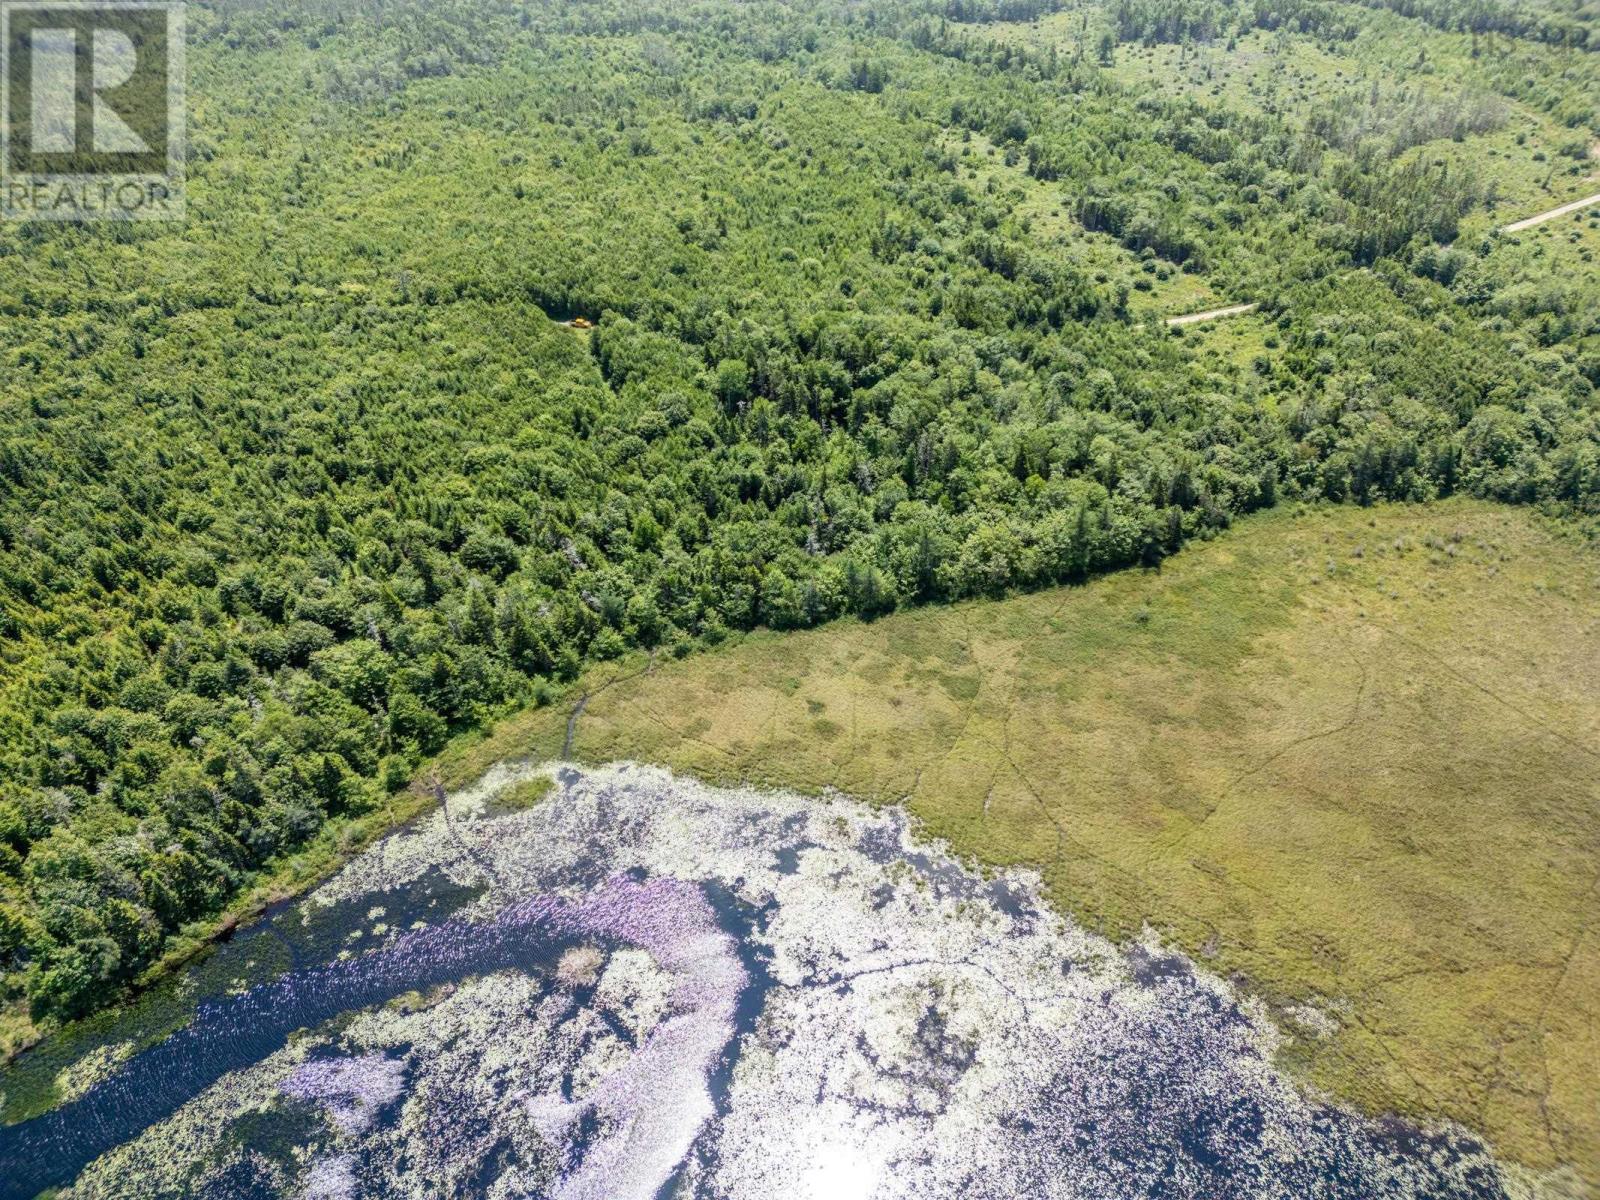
x=949 y=598
x=1347 y=754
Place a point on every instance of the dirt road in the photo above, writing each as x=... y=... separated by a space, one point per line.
x=1530 y=222
x=1233 y=310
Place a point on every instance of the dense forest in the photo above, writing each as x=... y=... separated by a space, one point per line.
x=1568 y=25
x=294 y=492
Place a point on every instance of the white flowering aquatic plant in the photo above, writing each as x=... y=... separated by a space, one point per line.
x=754 y=995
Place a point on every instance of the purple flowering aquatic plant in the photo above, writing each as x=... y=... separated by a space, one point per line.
x=728 y=993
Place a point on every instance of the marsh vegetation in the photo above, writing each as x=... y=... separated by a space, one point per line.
x=512 y=348
x=1347 y=754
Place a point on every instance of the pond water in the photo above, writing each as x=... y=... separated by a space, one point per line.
x=645 y=987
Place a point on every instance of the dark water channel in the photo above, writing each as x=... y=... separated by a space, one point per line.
x=228 y=1033
x=1150 y=1093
